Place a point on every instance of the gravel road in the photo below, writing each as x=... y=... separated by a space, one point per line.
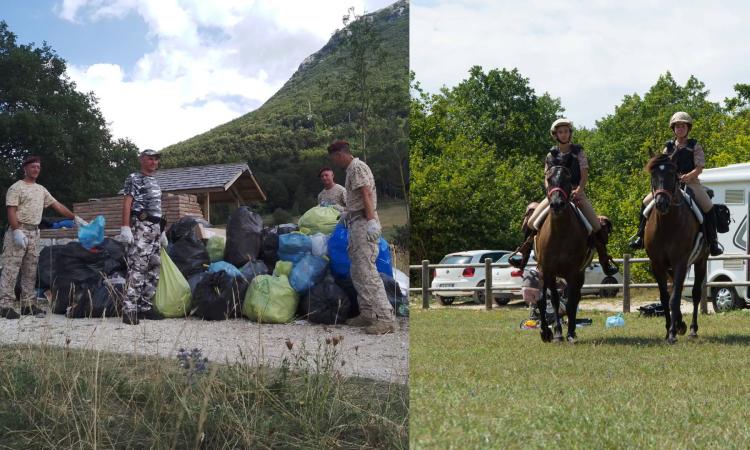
x=379 y=357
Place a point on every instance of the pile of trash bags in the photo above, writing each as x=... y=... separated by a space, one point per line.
x=266 y=274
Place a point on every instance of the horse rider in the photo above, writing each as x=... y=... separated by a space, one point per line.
x=690 y=159
x=562 y=131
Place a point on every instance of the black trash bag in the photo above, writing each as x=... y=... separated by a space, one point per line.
x=396 y=298
x=244 y=236
x=219 y=296
x=325 y=303
x=66 y=295
x=253 y=269
x=185 y=249
x=195 y=279
x=101 y=300
x=348 y=287
x=270 y=248
x=72 y=263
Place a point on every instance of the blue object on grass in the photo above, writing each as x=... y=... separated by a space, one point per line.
x=92 y=234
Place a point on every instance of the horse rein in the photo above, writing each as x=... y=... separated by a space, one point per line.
x=670 y=195
x=558 y=189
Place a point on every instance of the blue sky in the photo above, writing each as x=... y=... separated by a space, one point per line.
x=591 y=53
x=166 y=70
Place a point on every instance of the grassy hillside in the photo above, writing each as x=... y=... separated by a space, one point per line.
x=284 y=140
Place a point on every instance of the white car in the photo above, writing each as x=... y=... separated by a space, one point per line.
x=468 y=277
x=507 y=281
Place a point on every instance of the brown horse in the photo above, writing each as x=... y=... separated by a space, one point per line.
x=669 y=238
x=562 y=250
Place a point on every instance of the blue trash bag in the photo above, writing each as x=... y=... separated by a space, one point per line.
x=92 y=234
x=307 y=272
x=66 y=223
x=340 y=262
x=294 y=246
x=229 y=268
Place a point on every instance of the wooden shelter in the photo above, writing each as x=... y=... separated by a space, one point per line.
x=186 y=191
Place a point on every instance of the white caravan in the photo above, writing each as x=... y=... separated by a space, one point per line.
x=731 y=186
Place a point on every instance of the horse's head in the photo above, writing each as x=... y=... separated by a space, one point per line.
x=559 y=185
x=664 y=181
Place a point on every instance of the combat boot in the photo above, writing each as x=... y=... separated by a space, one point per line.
x=130 y=317
x=9 y=313
x=32 y=310
x=359 y=321
x=600 y=241
x=636 y=242
x=381 y=327
x=709 y=221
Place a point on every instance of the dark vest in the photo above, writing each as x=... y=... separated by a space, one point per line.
x=682 y=157
x=554 y=159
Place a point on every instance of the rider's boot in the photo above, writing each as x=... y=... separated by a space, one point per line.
x=601 y=238
x=636 y=241
x=709 y=220
x=521 y=257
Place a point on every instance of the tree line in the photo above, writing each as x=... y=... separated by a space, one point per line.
x=477 y=155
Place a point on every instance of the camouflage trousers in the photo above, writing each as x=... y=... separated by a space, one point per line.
x=18 y=259
x=143 y=266
x=373 y=302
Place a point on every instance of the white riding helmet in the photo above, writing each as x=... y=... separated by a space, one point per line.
x=680 y=117
x=558 y=123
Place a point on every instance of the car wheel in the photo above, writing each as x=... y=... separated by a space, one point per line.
x=479 y=295
x=608 y=292
x=445 y=301
x=502 y=301
x=725 y=299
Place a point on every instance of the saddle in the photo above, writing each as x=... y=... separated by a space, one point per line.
x=687 y=195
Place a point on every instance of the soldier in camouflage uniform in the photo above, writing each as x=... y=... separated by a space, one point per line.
x=376 y=314
x=333 y=194
x=142 y=230
x=25 y=200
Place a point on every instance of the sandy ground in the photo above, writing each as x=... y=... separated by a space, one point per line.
x=379 y=357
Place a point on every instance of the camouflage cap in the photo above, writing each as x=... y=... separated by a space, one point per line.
x=150 y=152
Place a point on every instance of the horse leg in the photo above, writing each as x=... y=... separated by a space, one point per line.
x=700 y=276
x=541 y=304
x=574 y=296
x=557 y=337
x=661 y=280
x=678 y=325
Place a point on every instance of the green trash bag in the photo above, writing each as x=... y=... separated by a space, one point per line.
x=283 y=268
x=215 y=247
x=320 y=219
x=173 y=291
x=270 y=299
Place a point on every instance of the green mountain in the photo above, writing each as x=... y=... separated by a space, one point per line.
x=284 y=140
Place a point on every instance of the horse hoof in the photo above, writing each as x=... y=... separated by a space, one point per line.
x=557 y=339
x=681 y=328
x=693 y=334
x=546 y=334
x=672 y=340
x=571 y=340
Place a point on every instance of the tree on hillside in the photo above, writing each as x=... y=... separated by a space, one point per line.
x=42 y=113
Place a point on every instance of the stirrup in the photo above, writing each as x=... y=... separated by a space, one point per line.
x=715 y=245
x=636 y=242
x=516 y=260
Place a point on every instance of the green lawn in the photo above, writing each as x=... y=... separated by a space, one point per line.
x=478 y=381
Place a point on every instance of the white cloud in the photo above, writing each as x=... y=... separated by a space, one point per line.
x=212 y=61
x=588 y=53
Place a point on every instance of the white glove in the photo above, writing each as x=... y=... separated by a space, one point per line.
x=163 y=241
x=126 y=235
x=342 y=219
x=373 y=230
x=80 y=222
x=20 y=239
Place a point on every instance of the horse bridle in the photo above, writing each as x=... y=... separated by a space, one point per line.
x=670 y=194
x=557 y=188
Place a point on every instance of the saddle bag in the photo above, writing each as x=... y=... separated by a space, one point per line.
x=723 y=218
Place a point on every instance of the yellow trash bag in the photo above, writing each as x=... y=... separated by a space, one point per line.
x=173 y=291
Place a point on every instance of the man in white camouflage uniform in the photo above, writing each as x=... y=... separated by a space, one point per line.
x=376 y=314
x=142 y=229
x=25 y=200
x=333 y=194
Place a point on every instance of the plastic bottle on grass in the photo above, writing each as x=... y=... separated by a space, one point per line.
x=616 y=321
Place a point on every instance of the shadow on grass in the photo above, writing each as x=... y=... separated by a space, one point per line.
x=729 y=339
